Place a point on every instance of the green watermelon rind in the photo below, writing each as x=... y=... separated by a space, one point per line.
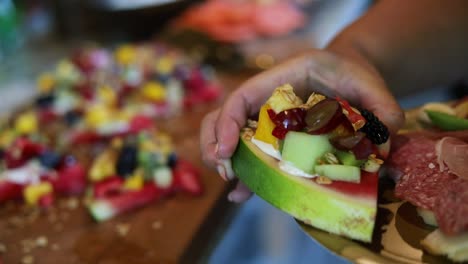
x=307 y=201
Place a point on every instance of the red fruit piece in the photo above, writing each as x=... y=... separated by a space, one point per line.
x=108 y=207
x=47 y=115
x=287 y=120
x=187 y=178
x=10 y=191
x=140 y=122
x=108 y=187
x=70 y=179
x=47 y=200
x=22 y=150
x=323 y=117
x=363 y=149
x=84 y=137
x=357 y=120
x=347 y=142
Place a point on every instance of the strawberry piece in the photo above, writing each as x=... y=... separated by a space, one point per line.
x=187 y=178
x=105 y=208
x=47 y=200
x=108 y=187
x=139 y=123
x=85 y=137
x=10 y=190
x=22 y=150
x=70 y=179
x=46 y=115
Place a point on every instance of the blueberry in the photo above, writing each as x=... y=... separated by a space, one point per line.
x=172 y=160
x=49 y=159
x=127 y=161
x=72 y=117
x=45 y=100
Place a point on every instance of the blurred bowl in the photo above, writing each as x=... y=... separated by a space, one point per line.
x=119 y=5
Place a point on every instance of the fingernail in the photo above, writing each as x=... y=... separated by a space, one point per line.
x=221 y=172
x=230 y=197
x=227 y=166
x=216 y=149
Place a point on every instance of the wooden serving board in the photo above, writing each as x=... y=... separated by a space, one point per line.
x=178 y=229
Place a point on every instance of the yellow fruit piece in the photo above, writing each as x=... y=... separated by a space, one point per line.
x=284 y=98
x=165 y=65
x=154 y=91
x=265 y=127
x=107 y=95
x=136 y=181
x=125 y=54
x=26 y=123
x=45 y=83
x=6 y=138
x=32 y=193
x=104 y=166
x=98 y=115
x=66 y=71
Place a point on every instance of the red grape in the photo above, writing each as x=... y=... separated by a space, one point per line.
x=287 y=120
x=347 y=142
x=323 y=117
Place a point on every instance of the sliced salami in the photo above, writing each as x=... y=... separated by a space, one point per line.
x=420 y=180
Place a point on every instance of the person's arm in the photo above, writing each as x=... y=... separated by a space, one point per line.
x=413 y=44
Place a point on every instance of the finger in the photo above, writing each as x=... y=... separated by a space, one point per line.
x=208 y=139
x=249 y=97
x=370 y=91
x=240 y=194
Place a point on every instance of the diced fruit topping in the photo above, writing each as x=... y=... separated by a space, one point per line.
x=284 y=98
x=287 y=120
x=324 y=131
x=32 y=193
x=127 y=160
x=347 y=142
x=26 y=123
x=375 y=130
x=162 y=177
x=348 y=158
x=303 y=150
x=339 y=172
x=136 y=181
x=104 y=165
x=323 y=117
x=354 y=116
x=265 y=127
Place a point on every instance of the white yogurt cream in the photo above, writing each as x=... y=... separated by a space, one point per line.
x=283 y=165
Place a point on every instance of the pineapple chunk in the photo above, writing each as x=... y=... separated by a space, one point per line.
x=265 y=127
x=284 y=98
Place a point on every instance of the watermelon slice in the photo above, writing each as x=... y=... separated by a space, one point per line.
x=342 y=208
x=104 y=208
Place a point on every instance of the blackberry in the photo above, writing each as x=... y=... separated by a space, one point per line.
x=374 y=129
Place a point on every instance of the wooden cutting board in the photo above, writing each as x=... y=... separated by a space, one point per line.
x=178 y=229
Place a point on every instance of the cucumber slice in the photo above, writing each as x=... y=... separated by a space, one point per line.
x=446 y=121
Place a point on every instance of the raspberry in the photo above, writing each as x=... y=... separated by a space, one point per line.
x=374 y=129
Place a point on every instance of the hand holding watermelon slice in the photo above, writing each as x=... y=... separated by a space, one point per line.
x=317 y=71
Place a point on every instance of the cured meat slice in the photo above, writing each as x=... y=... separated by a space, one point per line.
x=453 y=152
x=424 y=184
x=451 y=207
